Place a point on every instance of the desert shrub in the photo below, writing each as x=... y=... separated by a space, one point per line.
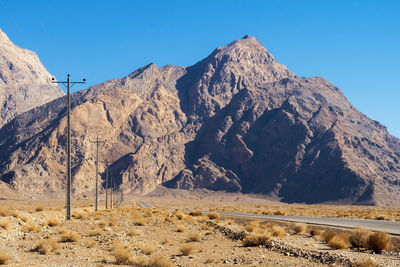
x=4 y=224
x=327 y=236
x=194 y=238
x=186 y=249
x=15 y=215
x=47 y=246
x=79 y=216
x=122 y=255
x=31 y=228
x=252 y=226
x=315 y=232
x=179 y=216
x=140 y=222
x=148 y=250
x=70 y=236
x=5 y=257
x=299 y=228
x=96 y=232
x=180 y=229
x=132 y=233
x=195 y=213
x=279 y=212
x=159 y=261
x=3 y=212
x=229 y=222
x=359 y=237
x=112 y=222
x=382 y=217
x=379 y=241
x=24 y=219
x=213 y=215
x=278 y=231
x=371 y=262
x=256 y=239
x=52 y=222
x=89 y=243
x=338 y=242
x=39 y=209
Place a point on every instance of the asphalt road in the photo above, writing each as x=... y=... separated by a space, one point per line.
x=375 y=225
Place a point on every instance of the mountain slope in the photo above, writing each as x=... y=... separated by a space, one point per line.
x=236 y=121
x=24 y=82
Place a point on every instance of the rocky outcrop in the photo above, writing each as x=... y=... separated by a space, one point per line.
x=24 y=81
x=235 y=121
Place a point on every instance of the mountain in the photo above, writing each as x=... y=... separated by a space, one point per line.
x=24 y=81
x=235 y=121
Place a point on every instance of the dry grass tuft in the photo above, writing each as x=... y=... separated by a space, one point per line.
x=278 y=231
x=279 y=212
x=140 y=222
x=339 y=242
x=4 y=257
x=359 y=237
x=112 y=222
x=213 y=215
x=96 y=232
x=194 y=238
x=371 y=262
x=3 y=212
x=122 y=255
x=315 y=232
x=180 y=229
x=252 y=226
x=252 y=240
x=47 y=246
x=39 y=209
x=52 y=222
x=148 y=250
x=299 y=228
x=132 y=233
x=186 y=249
x=31 y=228
x=159 y=261
x=379 y=241
x=195 y=213
x=327 y=236
x=70 y=236
x=5 y=225
x=15 y=215
x=89 y=243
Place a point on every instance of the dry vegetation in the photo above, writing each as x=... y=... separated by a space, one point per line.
x=137 y=236
x=5 y=257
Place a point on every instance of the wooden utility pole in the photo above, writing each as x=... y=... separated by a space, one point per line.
x=68 y=84
x=97 y=141
x=106 y=185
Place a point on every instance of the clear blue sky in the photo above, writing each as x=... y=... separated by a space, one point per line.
x=353 y=44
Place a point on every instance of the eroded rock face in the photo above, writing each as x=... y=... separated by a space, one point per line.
x=24 y=81
x=235 y=121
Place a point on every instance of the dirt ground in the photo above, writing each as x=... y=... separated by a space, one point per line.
x=35 y=233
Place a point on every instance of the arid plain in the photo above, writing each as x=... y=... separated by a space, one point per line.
x=35 y=233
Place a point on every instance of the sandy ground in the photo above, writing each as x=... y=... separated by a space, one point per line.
x=157 y=236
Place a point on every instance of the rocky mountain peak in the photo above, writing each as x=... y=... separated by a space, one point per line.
x=24 y=81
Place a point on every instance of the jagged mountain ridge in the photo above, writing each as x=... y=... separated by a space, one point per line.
x=24 y=81
x=236 y=121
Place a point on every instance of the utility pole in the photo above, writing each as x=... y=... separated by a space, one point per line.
x=68 y=84
x=106 y=185
x=97 y=171
x=111 y=197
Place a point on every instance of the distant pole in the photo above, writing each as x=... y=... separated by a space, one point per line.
x=97 y=171
x=69 y=180
x=106 y=185
x=111 y=191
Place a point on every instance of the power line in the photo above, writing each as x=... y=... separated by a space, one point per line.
x=68 y=84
